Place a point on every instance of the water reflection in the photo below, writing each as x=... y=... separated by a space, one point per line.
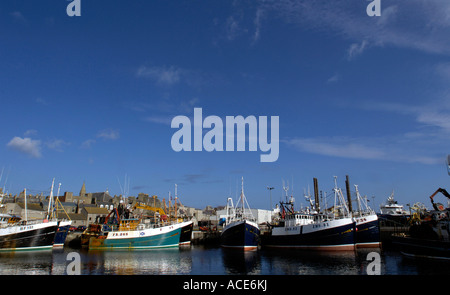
x=198 y=260
x=241 y=262
x=294 y=262
x=26 y=263
x=154 y=262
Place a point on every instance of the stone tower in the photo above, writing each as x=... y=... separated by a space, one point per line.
x=83 y=190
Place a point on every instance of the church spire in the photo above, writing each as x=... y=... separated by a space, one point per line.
x=83 y=190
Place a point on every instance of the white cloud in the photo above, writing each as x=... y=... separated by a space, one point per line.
x=258 y=23
x=87 y=143
x=396 y=149
x=57 y=144
x=108 y=134
x=232 y=28
x=335 y=78
x=433 y=114
x=425 y=142
x=30 y=132
x=338 y=147
x=414 y=24
x=165 y=120
x=162 y=75
x=26 y=145
x=356 y=49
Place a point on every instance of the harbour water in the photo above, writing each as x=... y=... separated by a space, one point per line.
x=200 y=260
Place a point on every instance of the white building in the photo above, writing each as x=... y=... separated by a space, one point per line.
x=261 y=215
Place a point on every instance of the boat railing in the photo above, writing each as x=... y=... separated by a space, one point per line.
x=363 y=213
x=23 y=223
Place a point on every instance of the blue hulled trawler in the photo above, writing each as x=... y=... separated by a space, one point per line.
x=240 y=229
x=313 y=229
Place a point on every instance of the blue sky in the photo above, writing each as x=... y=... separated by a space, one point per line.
x=91 y=97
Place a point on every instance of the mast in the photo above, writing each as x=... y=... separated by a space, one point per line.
x=25 y=200
x=175 y=205
x=242 y=194
x=50 y=200
x=338 y=196
x=358 y=199
x=316 y=195
x=349 y=199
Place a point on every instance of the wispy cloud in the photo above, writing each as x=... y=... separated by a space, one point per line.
x=30 y=132
x=163 y=111
x=193 y=179
x=381 y=148
x=110 y=134
x=165 y=120
x=42 y=101
x=232 y=28
x=259 y=15
x=57 y=144
x=171 y=76
x=105 y=134
x=431 y=114
x=162 y=75
x=414 y=24
x=338 y=147
x=356 y=49
x=18 y=17
x=87 y=144
x=333 y=79
x=425 y=142
x=26 y=145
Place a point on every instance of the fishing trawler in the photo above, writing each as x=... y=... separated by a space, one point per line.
x=367 y=234
x=240 y=229
x=429 y=233
x=54 y=207
x=135 y=234
x=21 y=235
x=311 y=229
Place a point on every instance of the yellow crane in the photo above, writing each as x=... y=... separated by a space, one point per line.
x=162 y=213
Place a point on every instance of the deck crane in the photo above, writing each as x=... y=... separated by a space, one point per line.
x=439 y=206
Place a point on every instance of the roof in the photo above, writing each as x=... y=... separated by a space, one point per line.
x=96 y=210
x=72 y=216
x=64 y=204
x=32 y=206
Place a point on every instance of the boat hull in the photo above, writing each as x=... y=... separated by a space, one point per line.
x=367 y=234
x=38 y=236
x=61 y=234
x=336 y=235
x=423 y=248
x=243 y=235
x=153 y=238
x=186 y=233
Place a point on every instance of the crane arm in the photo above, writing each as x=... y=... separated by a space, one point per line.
x=439 y=190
